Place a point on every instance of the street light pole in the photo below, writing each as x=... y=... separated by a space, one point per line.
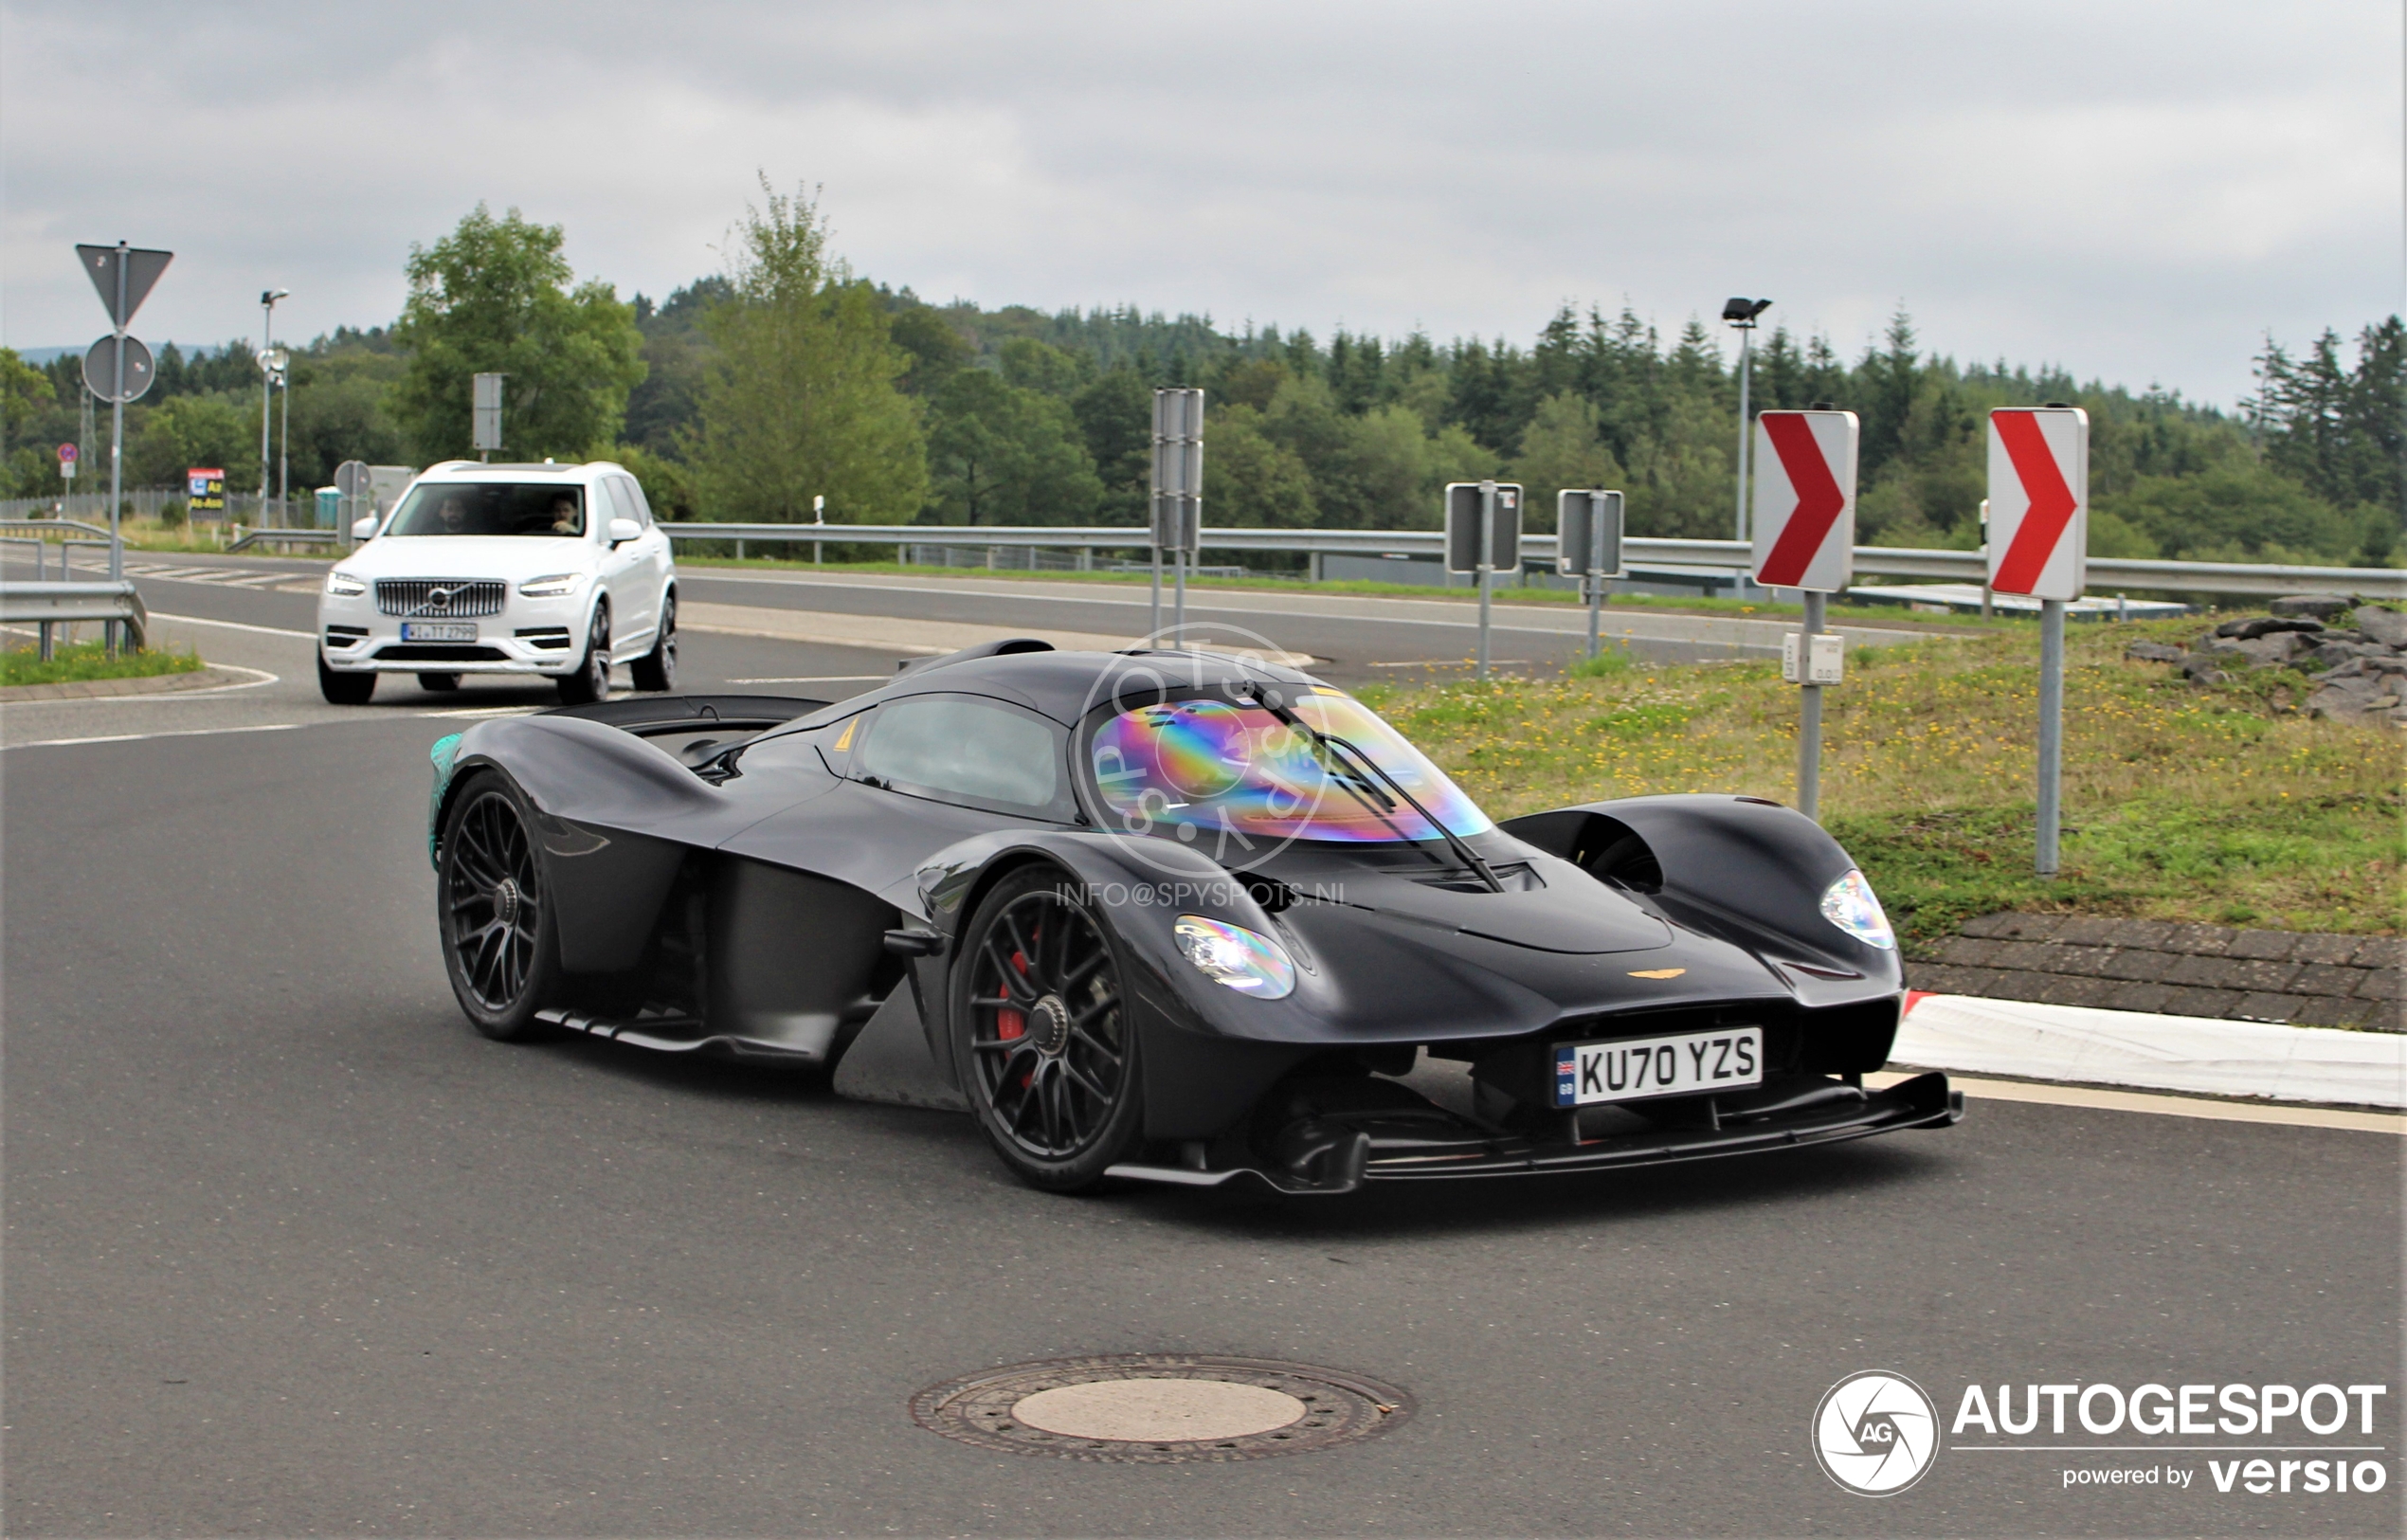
x=285 y=438
x=267 y=298
x=1741 y=313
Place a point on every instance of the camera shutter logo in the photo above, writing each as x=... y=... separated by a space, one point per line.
x=1875 y=1433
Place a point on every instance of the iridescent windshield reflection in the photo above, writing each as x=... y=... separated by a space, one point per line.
x=1236 y=772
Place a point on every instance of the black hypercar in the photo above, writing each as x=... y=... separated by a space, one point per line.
x=1177 y=917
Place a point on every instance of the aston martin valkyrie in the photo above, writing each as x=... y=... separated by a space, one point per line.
x=1171 y=917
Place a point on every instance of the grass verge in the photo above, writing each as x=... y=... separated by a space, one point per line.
x=2218 y=803
x=80 y=660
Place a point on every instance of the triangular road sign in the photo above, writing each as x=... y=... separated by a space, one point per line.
x=142 y=269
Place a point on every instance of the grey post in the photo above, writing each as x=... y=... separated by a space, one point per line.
x=267 y=298
x=1809 y=713
x=1487 y=566
x=1741 y=313
x=2050 y=732
x=1596 y=578
x=117 y=450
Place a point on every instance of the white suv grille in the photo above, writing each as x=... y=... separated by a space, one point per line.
x=439 y=598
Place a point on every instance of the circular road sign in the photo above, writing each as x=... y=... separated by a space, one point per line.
x=66 y=454
x=100 y=369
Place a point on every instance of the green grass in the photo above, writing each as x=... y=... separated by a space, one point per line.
x=82 y=660
x=2223 y=804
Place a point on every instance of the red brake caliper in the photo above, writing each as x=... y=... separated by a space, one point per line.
x=1009 y=1023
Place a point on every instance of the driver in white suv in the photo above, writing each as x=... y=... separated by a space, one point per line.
x=550 y=570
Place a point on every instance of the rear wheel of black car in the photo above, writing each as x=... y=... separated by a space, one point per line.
x=500 y=939
x=657 y=670
x=591 y=681
x=1042 y=1033
x=344 y=689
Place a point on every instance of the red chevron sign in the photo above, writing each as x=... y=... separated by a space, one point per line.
x=1805 y=503
x=2039 y=500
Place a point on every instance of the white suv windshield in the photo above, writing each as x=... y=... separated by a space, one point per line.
x=523 y=508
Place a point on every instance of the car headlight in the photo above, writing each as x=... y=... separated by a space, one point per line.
x=557 y=586
x=342 y=585
x=1246 y=961
x=1849 y=904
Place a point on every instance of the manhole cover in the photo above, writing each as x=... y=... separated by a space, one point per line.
x=1157 y=1408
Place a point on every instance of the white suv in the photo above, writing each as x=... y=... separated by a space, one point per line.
x=550 y=570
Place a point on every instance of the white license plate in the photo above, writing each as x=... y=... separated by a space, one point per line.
x=439 y=631
x=1682 y=1067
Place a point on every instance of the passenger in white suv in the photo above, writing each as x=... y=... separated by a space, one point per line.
x=551 y=569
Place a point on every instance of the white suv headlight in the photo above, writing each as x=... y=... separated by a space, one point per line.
x=1244 y=960
x=342 y=585
x=557 y=586
x=1849 y=904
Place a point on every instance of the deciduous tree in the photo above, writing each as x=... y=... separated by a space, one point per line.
x=494 y=296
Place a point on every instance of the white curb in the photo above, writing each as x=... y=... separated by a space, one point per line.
x=2196 y=1054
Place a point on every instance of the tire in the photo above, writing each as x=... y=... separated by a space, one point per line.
x=439 y=683
x=1042 y=1033
x=493 y=902
x=344 y=689
x=591 y=681
x=657 y=670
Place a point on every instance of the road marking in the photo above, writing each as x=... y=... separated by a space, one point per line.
x=811 y=678
x=137 y=737
x=2135 y=1101
x=232 y=626
x=486 y=711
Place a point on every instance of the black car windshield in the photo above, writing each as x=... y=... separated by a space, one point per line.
x=523 y=508
x=1233 y=771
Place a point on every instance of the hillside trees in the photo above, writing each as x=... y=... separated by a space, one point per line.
x=494 y=297
x=799 y=398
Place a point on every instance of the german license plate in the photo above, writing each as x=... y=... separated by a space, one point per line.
x=439 y=631
x=1687 y=1065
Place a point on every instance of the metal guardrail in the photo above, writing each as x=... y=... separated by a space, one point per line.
x=2109 y=572
x=286 y=538
x=44 y=605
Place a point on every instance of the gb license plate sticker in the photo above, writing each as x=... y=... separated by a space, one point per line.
x=1686 y=1065
x=439 y=631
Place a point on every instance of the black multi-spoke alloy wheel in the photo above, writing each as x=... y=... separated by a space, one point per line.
x=344 y=689
x=500 y=937
x=439 y=683
x=591 y=682
x=1043 y=1038
x=657 y=669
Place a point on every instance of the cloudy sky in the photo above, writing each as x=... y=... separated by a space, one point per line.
x=2136 y=190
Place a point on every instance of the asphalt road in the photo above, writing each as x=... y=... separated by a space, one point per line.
x=290 y=1250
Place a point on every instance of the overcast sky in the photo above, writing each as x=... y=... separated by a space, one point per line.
x=2138 y=191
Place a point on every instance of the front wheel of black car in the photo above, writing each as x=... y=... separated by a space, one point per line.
x=1043 y=1039
x=500 y=941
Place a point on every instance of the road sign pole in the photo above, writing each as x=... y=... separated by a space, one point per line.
x=2050 y=732
x=117 y=450
x=1178 y=597
x=1486 y=566
x=1809 y=714
x=1156 y=630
